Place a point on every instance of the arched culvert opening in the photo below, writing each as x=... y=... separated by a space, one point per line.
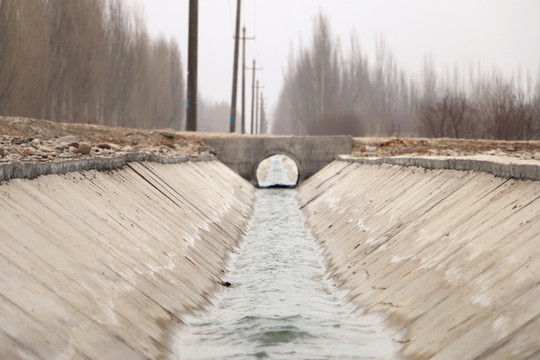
x=277 y=171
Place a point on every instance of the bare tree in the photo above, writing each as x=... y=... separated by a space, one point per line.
x=87 y=61
x=176 y=83
x=356 y=81
x=23 y=59
x=8 y=29
x=312 y=83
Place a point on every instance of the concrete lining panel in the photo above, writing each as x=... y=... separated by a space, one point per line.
x=506 y=167
x=105 y=265
x=31 y=170
x=449 y=256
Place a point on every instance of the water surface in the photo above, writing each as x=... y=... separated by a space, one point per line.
x=280 y=304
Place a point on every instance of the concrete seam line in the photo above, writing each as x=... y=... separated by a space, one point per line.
x=499 y=169
x=17 y=169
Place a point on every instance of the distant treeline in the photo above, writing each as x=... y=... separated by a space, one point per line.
x=325 y=92
x=87 y=61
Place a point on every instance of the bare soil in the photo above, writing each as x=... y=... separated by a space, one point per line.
x=41 y=140
x=24 y=139
x=48 y=130
x=367 y=147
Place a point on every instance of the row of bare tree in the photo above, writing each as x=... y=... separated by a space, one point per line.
x=486 y=107
x=87 y=61
x=325 y=92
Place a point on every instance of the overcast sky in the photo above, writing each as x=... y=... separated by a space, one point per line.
x=502 y=34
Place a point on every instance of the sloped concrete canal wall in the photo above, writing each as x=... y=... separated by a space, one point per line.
x=101 y=265
x=450 y=257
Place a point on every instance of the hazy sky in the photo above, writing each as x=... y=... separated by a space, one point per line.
x=504 y=34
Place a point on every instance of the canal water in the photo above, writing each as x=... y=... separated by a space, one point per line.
x=280 y=304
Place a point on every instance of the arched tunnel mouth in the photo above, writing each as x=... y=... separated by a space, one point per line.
x=277 y=171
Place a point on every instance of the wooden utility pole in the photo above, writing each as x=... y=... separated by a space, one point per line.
x=232 y=125
x=244 y=38
x=253 y=99
x=263 y=116
x=191 y=101
x=244 y=80
x=260 y=109
x=254 y=68
x=257 y=110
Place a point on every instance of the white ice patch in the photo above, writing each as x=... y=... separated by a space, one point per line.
x=452 y=275
x=171 y=264
x=225 y=209
x=106 y=315
x=482 y=300
x=396 y=258
x=370 y=240
x=362 y=226
x=333 y=202
x=153 y=268
x=500 y=326
x=204 y=225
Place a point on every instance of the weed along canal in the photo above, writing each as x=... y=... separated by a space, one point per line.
x=280 y=304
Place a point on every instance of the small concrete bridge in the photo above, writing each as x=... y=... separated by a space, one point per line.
x=243 y=154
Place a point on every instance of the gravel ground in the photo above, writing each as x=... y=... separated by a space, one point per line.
x=377 y=147
x=30 y=140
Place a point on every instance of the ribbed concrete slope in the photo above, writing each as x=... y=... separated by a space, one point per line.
x=101 y=265
x=451 y=256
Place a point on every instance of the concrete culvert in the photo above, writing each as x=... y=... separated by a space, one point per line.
x=277 y=171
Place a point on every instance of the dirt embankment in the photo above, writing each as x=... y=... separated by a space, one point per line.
x=30 y=140
x=371 y=147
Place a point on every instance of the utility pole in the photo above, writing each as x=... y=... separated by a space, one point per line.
x=191 y=101
x=257 y=111
x=254 y=68
x=263 y=116
x=244 y=38
x=232 y=124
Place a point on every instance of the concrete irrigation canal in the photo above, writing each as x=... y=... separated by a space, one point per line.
x=148 y=258
x=280 y=305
